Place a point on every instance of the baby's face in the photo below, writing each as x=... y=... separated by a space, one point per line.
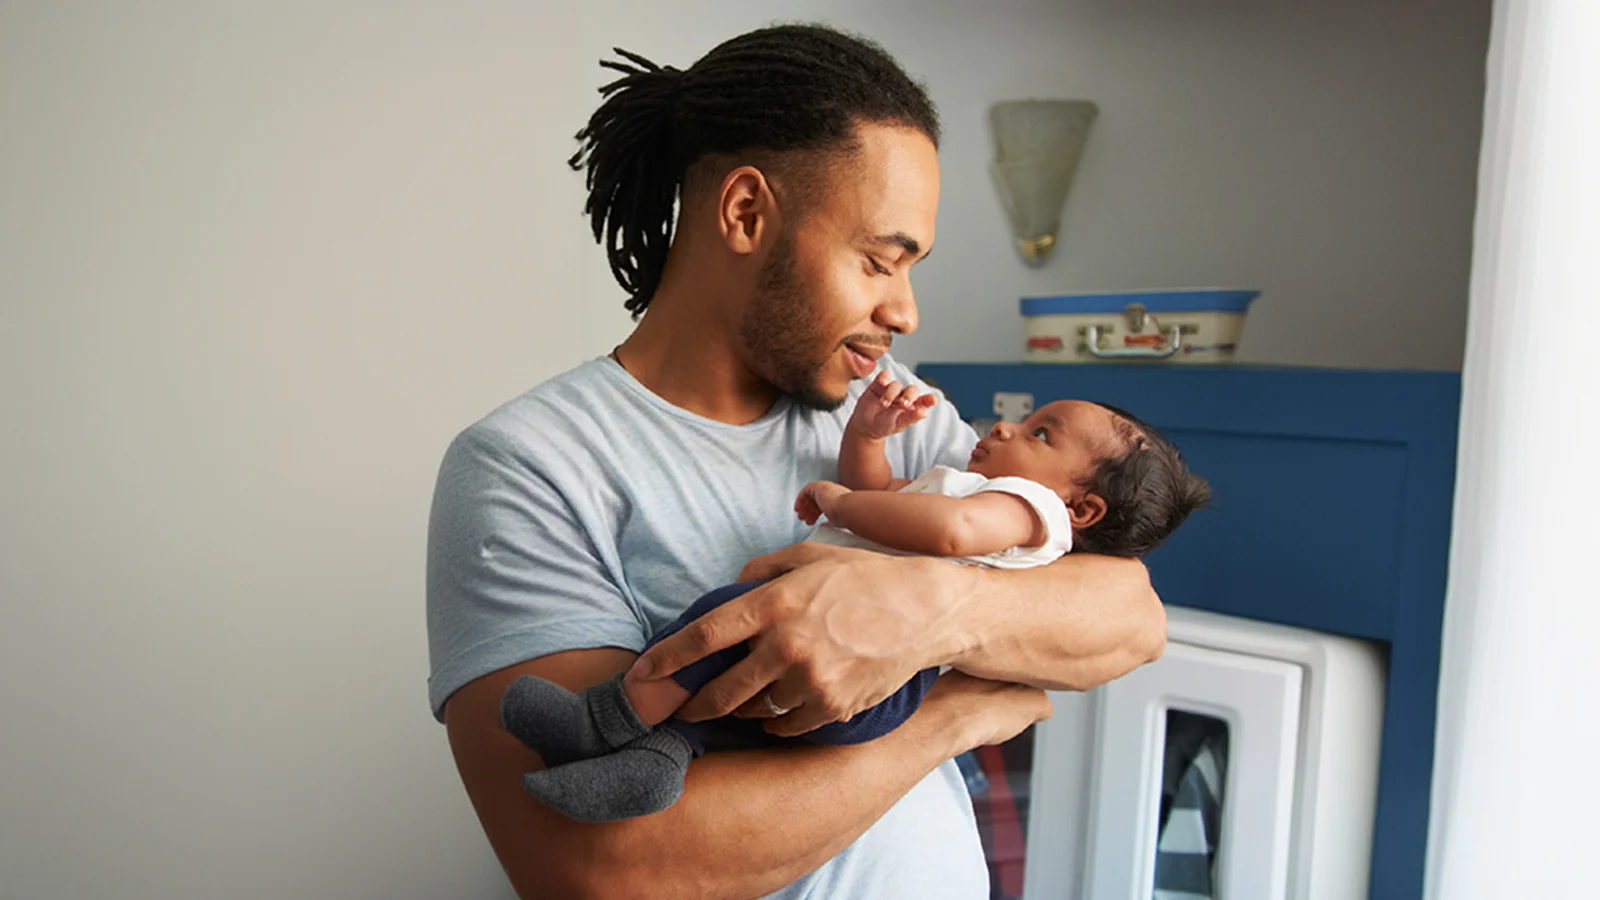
x=1057 y=446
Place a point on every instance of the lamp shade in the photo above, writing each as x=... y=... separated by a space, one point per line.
x=1037 y=147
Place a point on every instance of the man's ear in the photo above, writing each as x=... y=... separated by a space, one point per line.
x=747 y=210
x=1086 y=510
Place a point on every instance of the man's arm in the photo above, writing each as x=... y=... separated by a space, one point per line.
x=748 y=822
x=841 y=628
x=1073 y=625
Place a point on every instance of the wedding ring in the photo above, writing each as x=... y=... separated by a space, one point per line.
x=774 y=708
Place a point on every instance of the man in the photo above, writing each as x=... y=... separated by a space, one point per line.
x=576 y=520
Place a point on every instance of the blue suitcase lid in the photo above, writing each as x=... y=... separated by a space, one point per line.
x=1158 y=301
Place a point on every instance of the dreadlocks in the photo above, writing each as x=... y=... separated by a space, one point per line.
x=780 y=89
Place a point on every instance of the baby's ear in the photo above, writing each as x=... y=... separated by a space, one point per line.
x=1086 y=510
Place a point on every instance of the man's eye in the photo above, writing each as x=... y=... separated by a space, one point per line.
x=876 y=267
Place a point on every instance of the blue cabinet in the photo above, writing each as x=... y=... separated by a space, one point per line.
x=1331 y=511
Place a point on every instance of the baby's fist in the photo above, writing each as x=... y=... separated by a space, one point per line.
x=817 y=499
x=888 y=407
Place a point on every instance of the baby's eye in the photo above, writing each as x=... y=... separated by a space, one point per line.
x=1042 y=434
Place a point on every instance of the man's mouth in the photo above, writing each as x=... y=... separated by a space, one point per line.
x=863 y=358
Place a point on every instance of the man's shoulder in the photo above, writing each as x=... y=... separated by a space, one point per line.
x=571 y=394
x=543 y=421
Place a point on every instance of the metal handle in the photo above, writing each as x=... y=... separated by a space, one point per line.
x=1168 y=348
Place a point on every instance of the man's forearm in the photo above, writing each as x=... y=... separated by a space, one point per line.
x=751 y=822
x=1075 y=624
x=747 y=824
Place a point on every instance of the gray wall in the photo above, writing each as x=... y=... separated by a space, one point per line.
x=258 y=264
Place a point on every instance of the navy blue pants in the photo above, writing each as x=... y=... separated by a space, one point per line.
x=729 y=733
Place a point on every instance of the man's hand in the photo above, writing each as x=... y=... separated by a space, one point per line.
x=888 y=407
x=817 y=499
x=835 y=632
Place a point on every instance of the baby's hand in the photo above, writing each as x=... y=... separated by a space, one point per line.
x=817 y=499
x=888 y=407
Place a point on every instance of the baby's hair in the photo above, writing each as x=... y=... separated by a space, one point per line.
x=1148 y=490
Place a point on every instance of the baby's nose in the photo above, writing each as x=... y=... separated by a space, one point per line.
x=1002 y=430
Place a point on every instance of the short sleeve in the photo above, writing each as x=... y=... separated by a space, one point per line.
x=512 y=575
x=1050 y=509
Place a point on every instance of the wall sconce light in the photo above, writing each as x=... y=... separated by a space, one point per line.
x=1037 y=145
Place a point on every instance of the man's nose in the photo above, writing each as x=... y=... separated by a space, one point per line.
x=898 y=311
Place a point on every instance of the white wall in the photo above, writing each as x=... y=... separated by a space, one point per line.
x=257 y=267
x=258 y=264
x=1322 y=152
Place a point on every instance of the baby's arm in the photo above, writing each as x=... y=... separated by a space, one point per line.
x=863 y=465
x=886 y=408
x=931 y=524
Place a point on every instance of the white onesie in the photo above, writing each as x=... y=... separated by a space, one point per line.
x=955 y=483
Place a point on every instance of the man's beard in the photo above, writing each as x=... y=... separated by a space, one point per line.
x=781 y=330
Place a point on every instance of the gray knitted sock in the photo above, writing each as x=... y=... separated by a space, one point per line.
x=564 y=727
x=644 y=777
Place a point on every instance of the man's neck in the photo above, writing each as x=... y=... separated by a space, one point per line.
x=693 y=362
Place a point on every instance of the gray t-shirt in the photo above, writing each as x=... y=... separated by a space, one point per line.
x=590 y=513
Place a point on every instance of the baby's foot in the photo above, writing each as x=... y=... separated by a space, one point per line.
x=644 y=777
x=563 y=727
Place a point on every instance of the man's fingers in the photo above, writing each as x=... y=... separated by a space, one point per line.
x=770 y=566
x=727 y=625
x=732 y=689
x=781 y=562
x=755 y=708
x=799 y=722
x=763 y=568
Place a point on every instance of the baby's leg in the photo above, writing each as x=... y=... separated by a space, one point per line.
x=564 y=727
x=604 y=759
x=602 y=763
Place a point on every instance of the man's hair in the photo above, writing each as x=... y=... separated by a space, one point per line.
x=1148 y=490
x=779 y=89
